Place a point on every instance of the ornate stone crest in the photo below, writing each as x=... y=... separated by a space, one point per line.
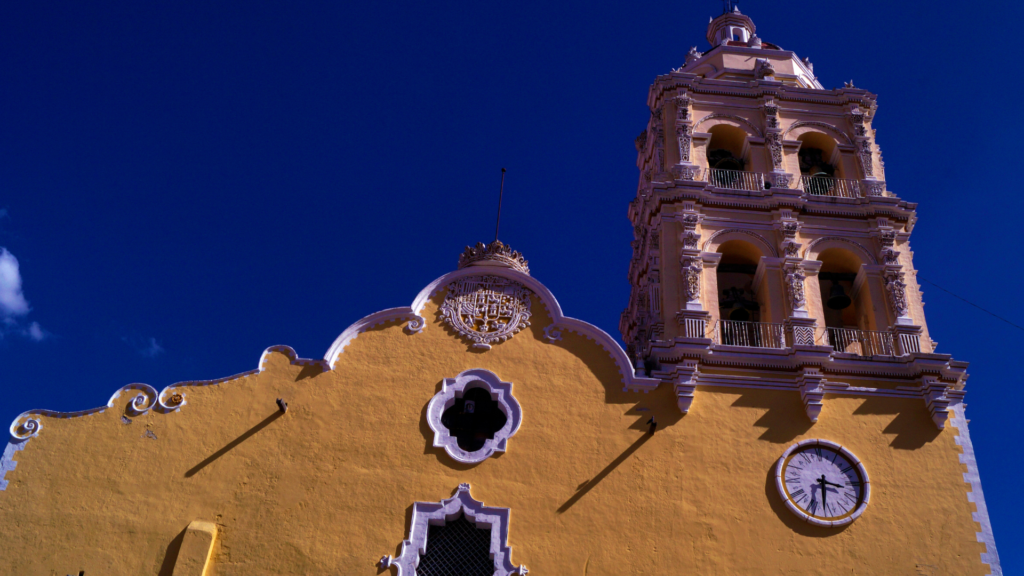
x=486 y=309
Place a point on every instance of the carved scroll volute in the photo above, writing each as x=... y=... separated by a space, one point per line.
x=691 y=269
x=659 y=139
x=895 y=284
x=773 y=135
x=684 y=127
x=888 y=255
x=692 y=265
x=795 y=286
x=793 y=272
x=896 y=290
x=862 y=142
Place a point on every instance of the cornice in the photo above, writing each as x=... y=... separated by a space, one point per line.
x=666 y=85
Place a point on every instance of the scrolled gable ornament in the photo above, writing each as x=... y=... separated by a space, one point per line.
x=486 y=309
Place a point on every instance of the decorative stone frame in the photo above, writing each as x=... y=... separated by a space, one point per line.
x=426 y=514
x=453 y=388
x=846 y=454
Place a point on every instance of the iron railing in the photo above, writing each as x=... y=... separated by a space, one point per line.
x=861 y=342
x=750 y=334
x=736 y=179
x=828 y=186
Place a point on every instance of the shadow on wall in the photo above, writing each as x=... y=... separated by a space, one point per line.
x=309 y=371
x=171 y=556
x=659 y=406
x=785 y=419
x=227 y=448
x=589 y=485
x=912 y=425
x=788 y=518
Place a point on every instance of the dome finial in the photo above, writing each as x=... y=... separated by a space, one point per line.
x=496 y=253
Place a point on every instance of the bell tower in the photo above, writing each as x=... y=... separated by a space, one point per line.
x=765 y=233
x=770 y=254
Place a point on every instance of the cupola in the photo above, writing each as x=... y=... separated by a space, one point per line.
x=732 y=28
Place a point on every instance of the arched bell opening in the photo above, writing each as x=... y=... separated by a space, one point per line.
x=728 y=155
x=846 y=305
x=820 y=163
x=741 y=302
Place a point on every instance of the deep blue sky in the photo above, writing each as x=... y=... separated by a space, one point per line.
x=184 y=184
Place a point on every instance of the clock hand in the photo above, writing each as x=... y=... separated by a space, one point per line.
x=822 y=482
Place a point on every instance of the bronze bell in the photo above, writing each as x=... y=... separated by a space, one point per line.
x=837 y=298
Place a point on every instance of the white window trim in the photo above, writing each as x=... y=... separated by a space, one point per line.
x=426 y=514
x=453 y=388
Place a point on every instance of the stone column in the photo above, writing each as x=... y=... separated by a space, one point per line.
x=685 y=169
x=778 y=177
x=692 y=317
x=863 y=147
x=906 y=334
x=658 y=128
x=799 y=322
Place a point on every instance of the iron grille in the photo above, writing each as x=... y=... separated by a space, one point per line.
x=458 y=548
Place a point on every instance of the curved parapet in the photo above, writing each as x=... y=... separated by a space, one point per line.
x=560 y=322
x=172 y=398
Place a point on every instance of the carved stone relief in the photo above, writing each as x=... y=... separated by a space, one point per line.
x=897 y=292
x=795 y=285
x=692 y=266
x=486 y=309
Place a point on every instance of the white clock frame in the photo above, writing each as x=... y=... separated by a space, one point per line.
x=866 y=483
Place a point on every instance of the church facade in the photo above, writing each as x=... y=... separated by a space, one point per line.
x=778 y=407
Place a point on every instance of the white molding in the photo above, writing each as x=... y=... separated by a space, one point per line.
x=741 y=235
x=820 y=125
x=425 y=514
x=7 y=461
x=839 y=242
x=973 y=477
x=738 y=119
x=173 y=397
x=560 y=322
x=780 y=485
x=453 y=388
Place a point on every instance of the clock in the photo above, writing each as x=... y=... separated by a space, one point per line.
x=823 y=483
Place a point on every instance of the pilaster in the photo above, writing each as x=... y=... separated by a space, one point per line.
x=686 y=169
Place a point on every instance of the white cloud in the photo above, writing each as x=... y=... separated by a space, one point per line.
x=147 y=347
x=152 y=349
x=36 y=332
x=12 y=300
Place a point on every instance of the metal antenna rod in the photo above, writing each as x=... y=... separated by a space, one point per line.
x=501 y=192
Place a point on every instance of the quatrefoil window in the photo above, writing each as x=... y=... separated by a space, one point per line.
x=474 y=419
x=473 y=415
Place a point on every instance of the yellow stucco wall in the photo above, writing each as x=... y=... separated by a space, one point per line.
x=327 y=487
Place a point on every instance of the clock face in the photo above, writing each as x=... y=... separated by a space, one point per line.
x=822 y=482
